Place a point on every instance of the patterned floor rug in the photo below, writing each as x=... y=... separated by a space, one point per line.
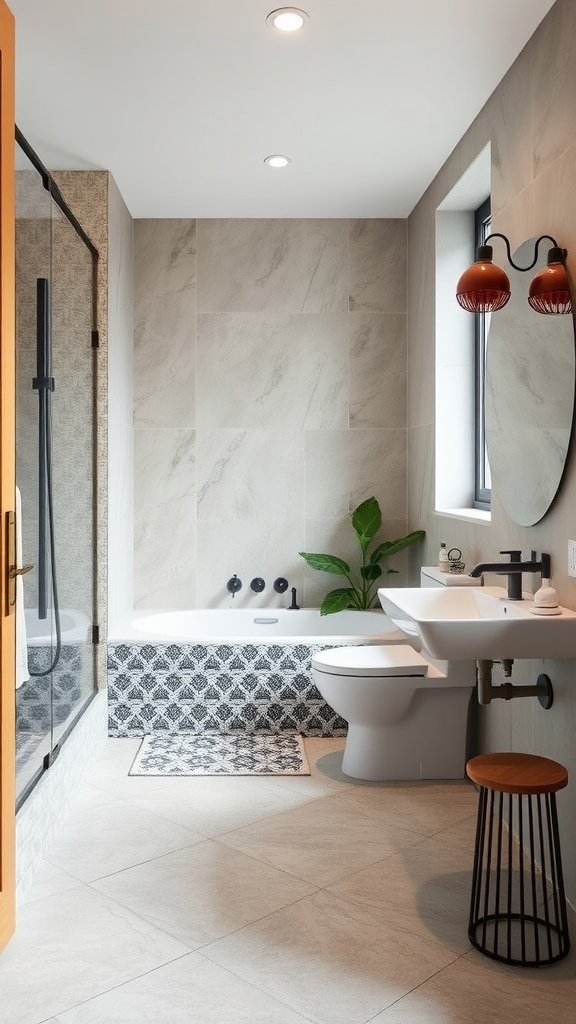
x=221 y=754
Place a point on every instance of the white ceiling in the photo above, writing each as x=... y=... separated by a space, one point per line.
x=183 y=99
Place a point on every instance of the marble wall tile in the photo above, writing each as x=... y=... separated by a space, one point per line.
x=120 y=407
x=164 y=518
x=248 y=474
x=165 y=322
x=262 y=371
x=378 y=265
x=377 y=369
x=420 y=319
x=554 y=82
x=279 y=266
x=344 y=467
x=265 y=546
x=511 y=132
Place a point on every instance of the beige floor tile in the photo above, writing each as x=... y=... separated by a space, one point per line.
x=114 y=836
x=323 y=841
x=489 y=993
x=71 y=947
x=425 y=889
x=191 y=990
x=330 y=961
x=462 y=834
x=49 y=881
x=203 y=892
x=213 y=806
x=428 y=808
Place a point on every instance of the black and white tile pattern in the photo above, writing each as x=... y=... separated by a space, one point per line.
x=221 y=754
x=198 y=688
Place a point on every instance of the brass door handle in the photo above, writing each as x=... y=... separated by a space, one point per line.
x=14 y=572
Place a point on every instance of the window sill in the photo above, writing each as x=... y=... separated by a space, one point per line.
x=468 y=515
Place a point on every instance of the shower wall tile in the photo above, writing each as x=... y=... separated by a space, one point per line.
x=247 y=474
x=263 y=371
x=165 y=323
x=344 y=467
x=300 y=403
x=279 y=266
x=262 y=546
x=164 y=518
x=377 y=369
x=378 y=265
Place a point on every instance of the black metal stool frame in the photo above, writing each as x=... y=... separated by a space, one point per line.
x=556 y=935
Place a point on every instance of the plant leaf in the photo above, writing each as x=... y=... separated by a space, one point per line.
x=392 y=547
x=326 y=563
x=367 y=520
x=337 y=601
x=372 y=571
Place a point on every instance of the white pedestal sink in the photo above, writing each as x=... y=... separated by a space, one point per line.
x=470 y=624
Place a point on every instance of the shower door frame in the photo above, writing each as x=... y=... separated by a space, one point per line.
x=7 y=474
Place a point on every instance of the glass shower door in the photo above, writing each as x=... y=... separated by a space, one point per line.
x=55 y=469
x=35 y=617
x=72 y=466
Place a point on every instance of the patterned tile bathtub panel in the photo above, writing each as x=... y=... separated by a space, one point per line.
x=218 y=687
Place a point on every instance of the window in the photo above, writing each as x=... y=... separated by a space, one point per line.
x=483 y=482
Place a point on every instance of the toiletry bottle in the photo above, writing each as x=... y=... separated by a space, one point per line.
x=443 y=559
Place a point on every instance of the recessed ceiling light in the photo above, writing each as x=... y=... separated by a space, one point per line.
x=277 y=160
x=287 y=19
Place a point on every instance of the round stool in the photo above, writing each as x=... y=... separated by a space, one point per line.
x=517 y=906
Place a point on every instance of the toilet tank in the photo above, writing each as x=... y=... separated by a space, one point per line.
x=432 y=576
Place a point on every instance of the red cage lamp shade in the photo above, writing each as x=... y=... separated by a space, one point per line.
x=484 y=287
x=550 y=290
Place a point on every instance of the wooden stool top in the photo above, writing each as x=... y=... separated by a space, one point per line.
x=517 y=773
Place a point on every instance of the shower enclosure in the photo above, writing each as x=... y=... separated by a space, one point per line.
x=56 y=364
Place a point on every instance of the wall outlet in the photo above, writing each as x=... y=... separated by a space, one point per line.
x=572 y=557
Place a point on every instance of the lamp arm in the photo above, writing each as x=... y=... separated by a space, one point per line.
x=496 y=234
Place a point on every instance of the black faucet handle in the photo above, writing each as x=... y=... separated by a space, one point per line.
x=515 y=555
x=280 y=585
x=234 y=585
x=257 y=585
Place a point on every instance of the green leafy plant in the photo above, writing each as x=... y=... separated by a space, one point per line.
x=361 y=590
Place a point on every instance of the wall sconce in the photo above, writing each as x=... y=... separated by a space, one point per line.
x=485 y=288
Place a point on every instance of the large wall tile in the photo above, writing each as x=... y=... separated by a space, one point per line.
x=344 y=467
x=165 y=322
x=511 y=132
x=554 y=71
x=249 y=474
x=280 y=266
x=257 y=371
x=378 y=265
x=164 y=518
x=377 y=369
x=267 y=547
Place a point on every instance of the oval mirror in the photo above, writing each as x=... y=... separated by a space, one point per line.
x=530 y=384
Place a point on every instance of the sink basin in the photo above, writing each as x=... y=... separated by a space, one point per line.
x=468 y=623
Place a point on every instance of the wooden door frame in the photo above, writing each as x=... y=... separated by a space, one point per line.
x=7 y=475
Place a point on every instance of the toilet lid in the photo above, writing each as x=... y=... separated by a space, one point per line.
x=397 y=660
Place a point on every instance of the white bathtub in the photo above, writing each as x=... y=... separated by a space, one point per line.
x=262 y=625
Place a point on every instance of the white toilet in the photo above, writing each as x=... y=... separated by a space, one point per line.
x=407 y=714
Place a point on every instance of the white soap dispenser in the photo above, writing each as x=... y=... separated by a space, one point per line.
x=443 y=560
x=546 y=600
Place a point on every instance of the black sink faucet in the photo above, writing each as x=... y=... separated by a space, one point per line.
x=514 y=569
x=294 y=607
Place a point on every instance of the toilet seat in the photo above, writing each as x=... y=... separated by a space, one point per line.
x=397 y=660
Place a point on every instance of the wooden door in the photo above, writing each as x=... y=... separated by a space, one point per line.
x=7 y=474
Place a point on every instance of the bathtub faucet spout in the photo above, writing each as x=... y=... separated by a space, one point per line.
x=293 y=607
